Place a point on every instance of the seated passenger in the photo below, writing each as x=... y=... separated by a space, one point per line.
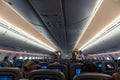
x=79 y=56
x=89 y=67
x=56 y=62
x=14 y=58
x=6 y=60
x=116 y=76
x=29 y=66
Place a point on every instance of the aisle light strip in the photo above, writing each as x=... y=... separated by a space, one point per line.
x=30 y=36
x=103 y=30
x=98 y=4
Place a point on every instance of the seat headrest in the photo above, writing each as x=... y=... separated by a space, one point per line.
x=92 y=75
x=15 y=72
x=46 y=74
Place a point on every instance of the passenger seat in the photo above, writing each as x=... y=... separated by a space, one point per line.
x=60 y=68
x=92 y=76
x=8 y=73
x=46 y=75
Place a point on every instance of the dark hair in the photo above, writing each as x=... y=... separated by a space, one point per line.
x=6 y=57
x=14 y=58
x=89 y=67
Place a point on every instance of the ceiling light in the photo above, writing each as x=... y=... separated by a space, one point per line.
x=107 y=58
x=33 y=58
x=118 y=58
x=26 y=58
x=113 y=25
x=28 y=36
x=98 y=4
x=30 y=58
x=94 y=57
x=20 y=57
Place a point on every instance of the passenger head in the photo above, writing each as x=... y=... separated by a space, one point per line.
x=80 y=52
x=36 y=67
x=56 y=62
x=29 y=65
x=116 y=76
x=81 y=61
x=14 y=58
x=6 y=58
x=89 y=67
x=36 y=61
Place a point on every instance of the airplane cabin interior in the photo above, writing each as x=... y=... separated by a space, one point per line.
x=59 y=39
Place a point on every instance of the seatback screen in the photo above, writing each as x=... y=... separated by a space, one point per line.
x=94 y=62
x=1 y=65
x=6 y=77
x=57 y=69
x=18 y=64
x=110 y=66
x=44 y=67
x=99 y=65
x=77 y=71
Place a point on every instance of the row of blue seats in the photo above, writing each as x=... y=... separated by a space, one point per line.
x=14 y=74
x=74 y=68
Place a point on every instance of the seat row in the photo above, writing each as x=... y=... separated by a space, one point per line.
x=14 y=74
x=73 y=69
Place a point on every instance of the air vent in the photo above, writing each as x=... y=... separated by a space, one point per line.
x=12 y=30
x=32 y=40
x=4 y=26
x=15 y=31
x=110 y=29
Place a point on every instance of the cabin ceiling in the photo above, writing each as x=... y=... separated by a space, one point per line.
x=62 y=21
